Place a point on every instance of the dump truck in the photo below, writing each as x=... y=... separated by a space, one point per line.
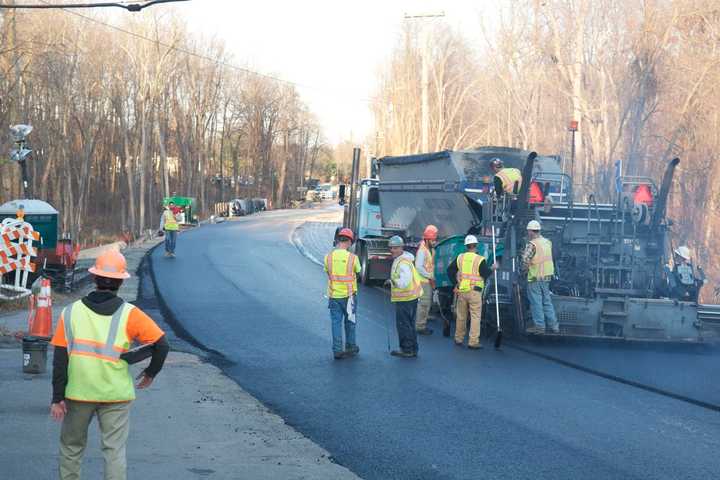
x=446 y=189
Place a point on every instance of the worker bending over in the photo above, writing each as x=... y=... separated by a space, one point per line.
x=342 y=267
x=470 y=269
x=425 y=268
x=405 y=289
x=90 y=373
x=537 y=261
x=505 y=178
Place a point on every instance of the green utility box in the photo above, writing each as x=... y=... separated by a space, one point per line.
x=41 y=215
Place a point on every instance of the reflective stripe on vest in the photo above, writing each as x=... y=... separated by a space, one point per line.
x=427 y=264
x=541 y=264
x=171 y=223
x=413 y=291
x=341 y=278
x=469 y=271
x=509 y=176
x=94 y=344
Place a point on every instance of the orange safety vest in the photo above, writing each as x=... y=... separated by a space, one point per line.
x=541 y=264
x=469 y=271
x=427 y=264
x=340 y=268
x=509 y=176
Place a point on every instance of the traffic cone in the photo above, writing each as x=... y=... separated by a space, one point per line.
x=40 y=320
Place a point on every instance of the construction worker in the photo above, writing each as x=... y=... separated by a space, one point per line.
x=169 y=227
x=537 y=261
x=505 y=178
x=469 y=269
x=425 y=267
x=405 y=289
x=90 y=376
x=342 y=267
x=683 y=280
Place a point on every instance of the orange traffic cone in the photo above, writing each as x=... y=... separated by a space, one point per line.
x=40 y=320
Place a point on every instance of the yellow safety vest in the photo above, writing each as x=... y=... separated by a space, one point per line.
x=340 y=266
x=541 y=264
x=413 y=291
x=509 y=176
x=171 y=223
x=94 y=344
x=469 y=271
x=428 y=264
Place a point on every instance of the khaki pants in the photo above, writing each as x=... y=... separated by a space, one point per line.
x=423 y=308
x=468 y=302
x=114 y=422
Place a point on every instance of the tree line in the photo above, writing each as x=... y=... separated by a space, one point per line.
x=641 y=78
x=126 y=114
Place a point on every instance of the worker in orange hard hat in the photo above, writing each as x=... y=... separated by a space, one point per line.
x=342 y=268
x=90 y=367
x=424 y=264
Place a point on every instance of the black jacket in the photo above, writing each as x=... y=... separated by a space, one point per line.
x=102 y=303
x=484 y=270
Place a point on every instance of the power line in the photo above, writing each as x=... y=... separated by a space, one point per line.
x=131 y=7
x=205 y=57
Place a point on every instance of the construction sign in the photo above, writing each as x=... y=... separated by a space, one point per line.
x=16 y=252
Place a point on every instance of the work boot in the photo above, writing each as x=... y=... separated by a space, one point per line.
x=535 y=330
x=167 y=254
x=425 y=331
x=401 y=354
x=475 y=347
x=556 y=330
x=340 y=355
x=459 y=344
x=446 y=329
x=352 y=350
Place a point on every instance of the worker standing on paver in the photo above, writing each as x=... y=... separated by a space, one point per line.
x=685 y=281
x=470 y=269
x=90 y=374
x=405 y=289
x=537 y=261
x=169 y=226
x=425 y=267
x=342 y=267
x=505 y=178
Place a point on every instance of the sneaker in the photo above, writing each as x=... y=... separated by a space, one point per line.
x=172 y=255
x=425 y=331
x=401 y=354
x=556 y=330
x=475 y=347
x=535 y=330
x=340 y=355
x=167 y=254
x=352 y=350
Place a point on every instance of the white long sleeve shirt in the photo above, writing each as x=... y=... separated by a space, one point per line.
x=420 y=263
x=404 y=276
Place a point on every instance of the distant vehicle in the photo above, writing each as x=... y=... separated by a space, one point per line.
x=326 y=191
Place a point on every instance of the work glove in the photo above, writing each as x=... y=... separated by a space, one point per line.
x=161 y=233
x=436 y=297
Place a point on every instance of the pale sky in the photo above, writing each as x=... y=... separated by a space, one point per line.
x=332 y=48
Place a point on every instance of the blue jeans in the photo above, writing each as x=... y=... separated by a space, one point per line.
x=170 y=239
x=541 y=306
x=339 y=316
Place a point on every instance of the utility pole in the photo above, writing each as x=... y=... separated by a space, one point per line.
x=425 y=76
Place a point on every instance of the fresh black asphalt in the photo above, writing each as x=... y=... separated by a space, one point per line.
x=241 y=289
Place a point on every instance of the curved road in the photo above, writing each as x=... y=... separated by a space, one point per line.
x=241 y=289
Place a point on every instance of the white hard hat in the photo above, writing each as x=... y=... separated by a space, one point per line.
x=534 y=225
x=471 y=240
x=683 y=251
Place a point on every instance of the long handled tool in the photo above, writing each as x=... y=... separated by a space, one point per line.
x=498 y=338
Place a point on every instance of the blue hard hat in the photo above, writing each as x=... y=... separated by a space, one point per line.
x=396 y=241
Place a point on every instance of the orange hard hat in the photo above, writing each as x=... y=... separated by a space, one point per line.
x=430 y=233
x=346 y=232
x=110 y=264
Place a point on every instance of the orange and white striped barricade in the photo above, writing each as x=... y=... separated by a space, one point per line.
x=16 y=253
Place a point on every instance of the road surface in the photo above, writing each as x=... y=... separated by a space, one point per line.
x=241 y=289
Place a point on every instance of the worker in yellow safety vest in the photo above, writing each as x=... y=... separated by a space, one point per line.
x=341 y=268
x=425 y=268
x=405 y=289
x=470 y=269
x=506 y=179
x=90 y=368
x=169 y=227
x=537 y=261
